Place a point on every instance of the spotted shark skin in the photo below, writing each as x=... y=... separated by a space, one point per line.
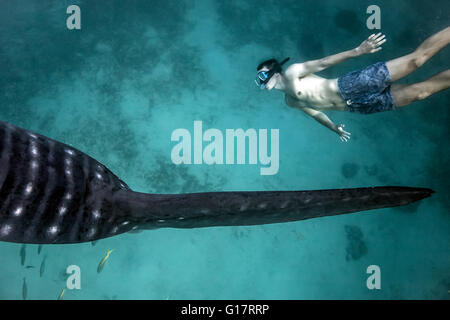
x=51 y=193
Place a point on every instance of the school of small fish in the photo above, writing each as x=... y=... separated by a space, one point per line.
x=23 y=253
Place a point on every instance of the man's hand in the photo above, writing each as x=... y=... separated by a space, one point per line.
x=372 y=44
x=344 y=135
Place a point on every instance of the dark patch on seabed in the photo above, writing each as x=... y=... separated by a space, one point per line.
x=356 y=247
x=348 y=20
x=181 y=180
x=371 y=170
x=315 y=46
x=349 y=170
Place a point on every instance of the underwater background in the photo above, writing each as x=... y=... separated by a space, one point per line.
x=138 y=70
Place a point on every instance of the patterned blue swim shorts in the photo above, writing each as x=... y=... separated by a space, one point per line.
x=367 y=90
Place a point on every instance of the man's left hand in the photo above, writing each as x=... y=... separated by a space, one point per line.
x=372 y=44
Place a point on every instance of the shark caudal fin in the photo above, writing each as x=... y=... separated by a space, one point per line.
x=210 y=209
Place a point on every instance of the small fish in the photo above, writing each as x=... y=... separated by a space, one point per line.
x=22 y=254
x=24 y=289
x=42 y=268
x=299 y=235
x=30 y=267
x=102 y=262
x=39 y=249
x=60 y=297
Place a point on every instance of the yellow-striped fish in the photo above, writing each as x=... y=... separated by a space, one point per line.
x=103 y=261
x=61 y=294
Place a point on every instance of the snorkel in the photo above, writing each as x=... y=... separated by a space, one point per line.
x=263 y=77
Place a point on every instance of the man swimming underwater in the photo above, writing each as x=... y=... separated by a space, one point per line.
x=364 y=91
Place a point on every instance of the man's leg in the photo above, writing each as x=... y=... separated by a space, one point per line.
x=406 y=94
x=401 y=67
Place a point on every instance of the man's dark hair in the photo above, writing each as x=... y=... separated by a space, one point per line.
x=273 y=64
x=270 y=64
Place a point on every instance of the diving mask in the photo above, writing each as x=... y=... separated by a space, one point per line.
x=263 y=77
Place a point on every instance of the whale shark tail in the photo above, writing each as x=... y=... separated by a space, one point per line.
x=70 y=197
x=196 y=210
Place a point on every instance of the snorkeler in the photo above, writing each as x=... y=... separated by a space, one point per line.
x=364 y=91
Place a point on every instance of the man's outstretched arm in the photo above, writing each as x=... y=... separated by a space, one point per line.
x=371 y=45
x=324 y=120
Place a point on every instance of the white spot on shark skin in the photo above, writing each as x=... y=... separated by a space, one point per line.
x=32 y=135
x=114 y=230
x=62 y=211
x=284 y=204
x=125 y=223
x=69 y=172
x=53 y=230
x=91 y=232
x=29 y=188
x=307 y=200
x=96 y=214
x=68 y=161
x=205 y=211
x=161 y=220
x=71 y=152
x=18 y=211
x=5 y=230
x=68 y=196
x=346 y=199
x=99 y=176
x=180 y=218
x=34 y=150
x=34 y=164
x=262 y=205
x=243 y=207
x=366 y=197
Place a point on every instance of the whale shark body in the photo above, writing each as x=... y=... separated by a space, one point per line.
x=51 y=193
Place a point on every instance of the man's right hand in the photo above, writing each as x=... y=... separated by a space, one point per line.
x=343 y=135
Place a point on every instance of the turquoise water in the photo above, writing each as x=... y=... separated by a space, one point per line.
x=118 y=88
